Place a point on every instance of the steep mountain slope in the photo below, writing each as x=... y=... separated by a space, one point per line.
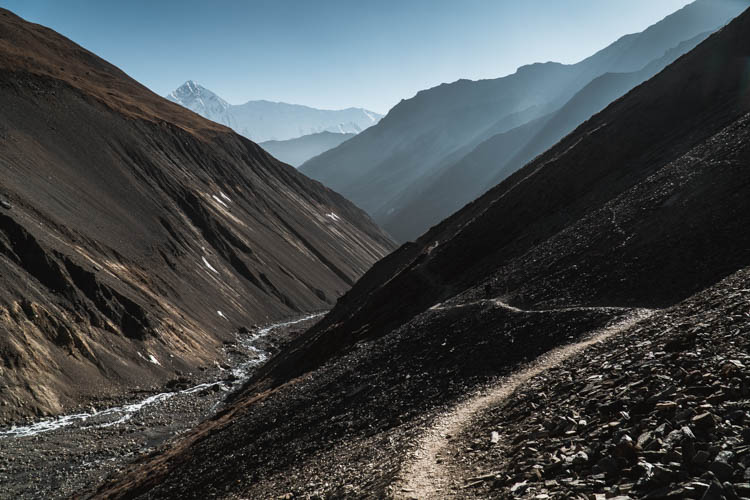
x=388 y=167
x=271 y=121
x=449 y=189
x=642 y=206
x=297 y=151
x=136 y=236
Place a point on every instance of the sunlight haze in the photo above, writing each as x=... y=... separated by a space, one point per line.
x=337 y=54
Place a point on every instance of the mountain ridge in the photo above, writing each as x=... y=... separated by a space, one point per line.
x=263 y=120
x=397 y=156
x=297 y=151
x=493 y=160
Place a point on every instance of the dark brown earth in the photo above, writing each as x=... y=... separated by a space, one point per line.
x=643 y=206
x=131 y=228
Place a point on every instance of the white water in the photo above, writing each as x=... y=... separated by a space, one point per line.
x=121 y=414
x=243 y=370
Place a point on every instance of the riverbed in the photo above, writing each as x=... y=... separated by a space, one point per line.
x=55 y=457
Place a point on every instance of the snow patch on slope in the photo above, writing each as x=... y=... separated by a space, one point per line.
x=209 y=266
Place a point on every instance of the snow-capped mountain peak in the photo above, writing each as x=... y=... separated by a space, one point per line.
x=265 y=120
x=201 y=100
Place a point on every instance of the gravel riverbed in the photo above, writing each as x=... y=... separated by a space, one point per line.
x=56 y=457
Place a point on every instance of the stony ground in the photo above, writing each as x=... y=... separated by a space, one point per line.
x=345 y=429
x=48 y=459
x=431 y=474
x=660 y=411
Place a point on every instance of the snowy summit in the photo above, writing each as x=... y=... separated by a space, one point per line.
x=271 y=121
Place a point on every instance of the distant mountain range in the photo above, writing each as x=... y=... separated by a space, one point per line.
x=441 y=149
x=271 y=121
x=297 y=151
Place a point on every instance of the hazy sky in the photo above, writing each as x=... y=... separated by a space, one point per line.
x=336 y=53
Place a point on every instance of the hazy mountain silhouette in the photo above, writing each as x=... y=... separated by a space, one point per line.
x=297 y=151
x=271 y=121
x=428 y=202
x=387 y=169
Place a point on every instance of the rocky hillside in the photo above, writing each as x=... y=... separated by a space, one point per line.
x=660 y=411
x=641 y=208
x=136 y=236
x=419 y=164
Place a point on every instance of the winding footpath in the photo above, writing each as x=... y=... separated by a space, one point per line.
x=429 y=475
x=504 y=305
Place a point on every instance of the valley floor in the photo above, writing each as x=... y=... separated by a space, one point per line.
x=57 y=457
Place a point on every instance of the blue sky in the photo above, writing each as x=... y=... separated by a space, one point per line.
x=336 y=53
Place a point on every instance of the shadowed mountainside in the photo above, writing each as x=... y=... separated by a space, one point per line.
x=136 y=236
x=495 y=159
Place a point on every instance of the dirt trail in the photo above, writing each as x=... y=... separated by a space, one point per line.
x=429 y=474
x=504 y=305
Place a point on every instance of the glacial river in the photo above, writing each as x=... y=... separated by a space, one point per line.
x=121 y=414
